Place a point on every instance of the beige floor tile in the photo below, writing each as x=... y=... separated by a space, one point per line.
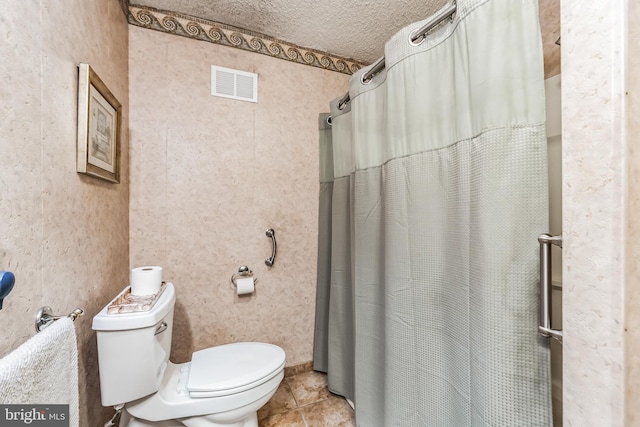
x=303 y=400
x=309 y=387
x=282 y=401
x=288 y=419
x=332 y=412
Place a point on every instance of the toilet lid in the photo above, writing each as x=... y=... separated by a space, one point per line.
x=232 y=366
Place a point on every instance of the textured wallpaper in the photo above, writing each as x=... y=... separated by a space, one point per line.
x=595 y=159
x=209 y=175
x=64 y=235
x=632 y=258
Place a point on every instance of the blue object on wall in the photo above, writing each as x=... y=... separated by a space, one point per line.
x=7 y=280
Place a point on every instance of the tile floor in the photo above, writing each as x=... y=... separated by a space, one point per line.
x=303 y=400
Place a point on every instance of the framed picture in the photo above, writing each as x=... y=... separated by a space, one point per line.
x=99 y=121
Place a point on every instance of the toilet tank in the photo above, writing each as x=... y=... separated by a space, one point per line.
x=133 y=349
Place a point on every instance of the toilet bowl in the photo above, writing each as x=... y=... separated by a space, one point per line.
x=221 y=386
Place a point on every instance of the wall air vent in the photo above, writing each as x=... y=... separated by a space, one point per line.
x=234 y=84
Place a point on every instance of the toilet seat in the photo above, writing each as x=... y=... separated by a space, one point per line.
x=233 y=368
x=174 y=401
x=206 y=385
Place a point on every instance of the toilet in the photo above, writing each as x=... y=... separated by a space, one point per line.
x=221 y=386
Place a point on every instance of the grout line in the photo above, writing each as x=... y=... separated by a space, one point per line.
x=299 y=409
x=292 y=395
x=304 y=420
x=316 y=401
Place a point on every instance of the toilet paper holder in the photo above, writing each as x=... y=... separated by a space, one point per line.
x=243 y=271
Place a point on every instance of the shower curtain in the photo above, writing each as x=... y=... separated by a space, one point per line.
x=428 y=277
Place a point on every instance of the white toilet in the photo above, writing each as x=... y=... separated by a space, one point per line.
x=221 y=386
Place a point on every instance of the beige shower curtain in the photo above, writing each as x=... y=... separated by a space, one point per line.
x=439 y=194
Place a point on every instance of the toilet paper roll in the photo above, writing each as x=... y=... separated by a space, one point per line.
x=146 y=280
x=245 y=285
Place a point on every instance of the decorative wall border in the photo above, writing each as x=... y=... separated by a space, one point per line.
x=214 y=32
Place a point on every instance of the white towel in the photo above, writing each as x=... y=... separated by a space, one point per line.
x=44 y=370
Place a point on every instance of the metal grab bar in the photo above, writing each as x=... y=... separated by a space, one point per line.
x=269 y=261
x=544 y=328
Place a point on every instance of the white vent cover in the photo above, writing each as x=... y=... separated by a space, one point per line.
x=234 y=84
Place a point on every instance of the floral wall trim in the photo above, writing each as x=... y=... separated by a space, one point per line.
x=213 y=32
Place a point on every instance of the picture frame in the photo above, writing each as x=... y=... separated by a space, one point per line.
x=99 y=123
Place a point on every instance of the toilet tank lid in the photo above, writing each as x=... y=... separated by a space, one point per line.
x=137 y=320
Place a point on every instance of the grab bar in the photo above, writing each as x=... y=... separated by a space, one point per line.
x=45 y=317
x=269 y=261
x=544 y=328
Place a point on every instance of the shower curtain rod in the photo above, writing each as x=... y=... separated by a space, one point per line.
x=419 y=34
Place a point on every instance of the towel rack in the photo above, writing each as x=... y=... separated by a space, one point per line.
x=45 y=317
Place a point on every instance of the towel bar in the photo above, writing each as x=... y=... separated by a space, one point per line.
x=45 y=317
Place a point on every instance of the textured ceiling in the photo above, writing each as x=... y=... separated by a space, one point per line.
x=356 y=29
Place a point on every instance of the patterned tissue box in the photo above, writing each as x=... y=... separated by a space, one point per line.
x=127 y=303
